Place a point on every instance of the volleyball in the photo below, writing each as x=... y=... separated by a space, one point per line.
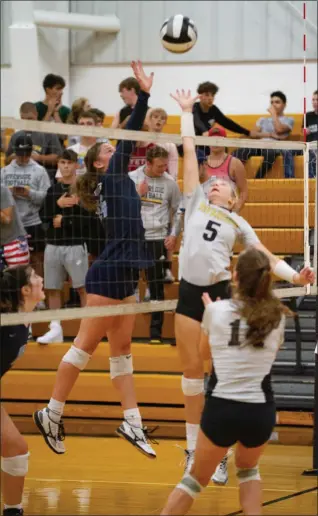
x=178 y=34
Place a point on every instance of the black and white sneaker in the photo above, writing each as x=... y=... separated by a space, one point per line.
x=52 y=432
x=13 y=512
x=221 y=476
x=138 y=437
x=188 y=459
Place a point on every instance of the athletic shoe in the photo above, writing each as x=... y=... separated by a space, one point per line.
x=169 y=278
x=137 y=295
x=52 y=432
x=55 y=334
x=189 y=459
x=137 y=437
x=13 y=512
x=221 y=476
x=30 y=336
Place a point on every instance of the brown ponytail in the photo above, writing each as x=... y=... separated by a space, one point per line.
x=86 y=184
x=261 y=309
x=12 y=280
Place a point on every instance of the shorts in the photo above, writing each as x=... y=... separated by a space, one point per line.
x=16 y=252
x=37 y=238
x=111 y=280
x=60 y=260
x=226 y=422
x=190 y=303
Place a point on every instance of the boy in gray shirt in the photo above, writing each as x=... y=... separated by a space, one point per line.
x=160 y=198
x=13 y=240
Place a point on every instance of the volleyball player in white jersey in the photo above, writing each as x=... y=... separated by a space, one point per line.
x=244 y=334
x=211 y=229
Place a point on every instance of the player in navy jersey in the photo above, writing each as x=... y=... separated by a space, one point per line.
x=111 y=280
x=243 y=335
x=20 y=291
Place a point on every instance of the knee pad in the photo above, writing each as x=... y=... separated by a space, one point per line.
x=77 y=357
x=121 y=366
x=247 y=474
x=190 y=485
x=192 y=387
x=15 y=466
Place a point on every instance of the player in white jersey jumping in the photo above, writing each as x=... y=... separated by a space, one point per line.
x=244 y=334
x=211 y=229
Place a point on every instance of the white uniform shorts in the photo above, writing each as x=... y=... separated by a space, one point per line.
x=63 y=260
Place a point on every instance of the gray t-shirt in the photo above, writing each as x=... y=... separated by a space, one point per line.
x=14 y=229
x=267 y=125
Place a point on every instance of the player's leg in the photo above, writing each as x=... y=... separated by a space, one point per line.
x=246 y=461
x=14 y=465
x=155 y=276
x=207 y=456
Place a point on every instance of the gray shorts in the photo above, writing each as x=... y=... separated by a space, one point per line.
x=60 y=260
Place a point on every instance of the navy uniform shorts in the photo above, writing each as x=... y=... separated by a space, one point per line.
x=111 y=280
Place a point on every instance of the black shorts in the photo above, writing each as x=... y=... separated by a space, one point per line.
x=226 y=422
x=190 y=301
x=36 y=240
x=110 y=280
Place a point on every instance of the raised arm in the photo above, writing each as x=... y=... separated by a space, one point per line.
x=120 y=160
x=190 y=162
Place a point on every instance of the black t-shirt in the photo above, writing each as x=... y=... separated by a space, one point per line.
x=13 y=342
x=311 y=126
x=203 y=121
x=124 y=112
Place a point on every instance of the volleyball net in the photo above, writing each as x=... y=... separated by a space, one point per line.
x=280 y=206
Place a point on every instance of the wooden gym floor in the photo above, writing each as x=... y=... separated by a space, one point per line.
x=103 y=476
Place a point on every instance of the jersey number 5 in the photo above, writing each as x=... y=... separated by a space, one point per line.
x=211 y=231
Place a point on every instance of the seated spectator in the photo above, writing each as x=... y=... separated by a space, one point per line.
x=46 y=146
x=14 y=242
x=51 y=108
x=160 y=198
x=78 y=106
x=220 y=164
x=156 y=122
x=129 y=89
x=67 y=230
x=312 y=134
x=276 y=127
x=28 y=182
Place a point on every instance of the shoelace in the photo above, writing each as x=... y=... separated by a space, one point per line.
x=188 y=456
x=148 y=432
x=223 y=464
x=60 y=435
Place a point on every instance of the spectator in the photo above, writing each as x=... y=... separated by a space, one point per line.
x=67 y=227
x=46 y=146
x=220 y=164
x=312 y=133
x=276 y=127
x=52 y=109
x=100 y=123
x=157 y=120
x=14 y=243
x=160 y=198
x=129 y=90
x=78 y=107
x=28 y=182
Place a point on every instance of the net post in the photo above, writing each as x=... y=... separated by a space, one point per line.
x=306 y=212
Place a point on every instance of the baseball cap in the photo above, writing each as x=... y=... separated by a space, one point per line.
x=23 y=145
x=217 y=131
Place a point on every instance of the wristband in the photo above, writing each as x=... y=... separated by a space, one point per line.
x=284 y=271
x=187 y=125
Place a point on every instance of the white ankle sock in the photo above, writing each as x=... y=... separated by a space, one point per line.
x=18 y=506
x=56 y=407
x=133 y=417
x=192 y=435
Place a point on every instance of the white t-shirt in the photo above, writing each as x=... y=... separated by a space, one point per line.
x=209 y=238
x=240 y=371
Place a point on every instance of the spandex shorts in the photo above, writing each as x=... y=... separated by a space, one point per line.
x=36 y=238
x=226 y=422
x=111 y=280
x=190 y=297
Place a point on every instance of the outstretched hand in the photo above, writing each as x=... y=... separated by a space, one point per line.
x=184 y=99
x=145 y=81
x=306 y=276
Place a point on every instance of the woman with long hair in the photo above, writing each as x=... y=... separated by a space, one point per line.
x=111 y=280
x=244 y=334
x=20 y=291
x=211 y=230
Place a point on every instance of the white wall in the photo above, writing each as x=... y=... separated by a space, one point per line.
x=244 y=88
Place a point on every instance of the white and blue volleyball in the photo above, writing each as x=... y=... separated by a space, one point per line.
x=178 y=34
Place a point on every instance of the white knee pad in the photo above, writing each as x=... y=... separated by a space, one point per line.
x=192 y=387
x=121 y=366
x=247 y=474
x=190 y=485
x=15 y=466
x=77 y=357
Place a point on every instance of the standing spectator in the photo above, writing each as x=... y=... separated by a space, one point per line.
x=276 y=127
x=312 y=133
x=160 y=198
x=100 y=123
x=28 y=182
x=14 y=243
x=129 y=90
x=78 y=107
x=46 y=146
x=67 y=226
x=156 y=122
x=51 y=108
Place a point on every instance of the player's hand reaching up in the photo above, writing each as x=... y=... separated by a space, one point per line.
x=145 y=81
x=185 y=100
x=304 y=277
